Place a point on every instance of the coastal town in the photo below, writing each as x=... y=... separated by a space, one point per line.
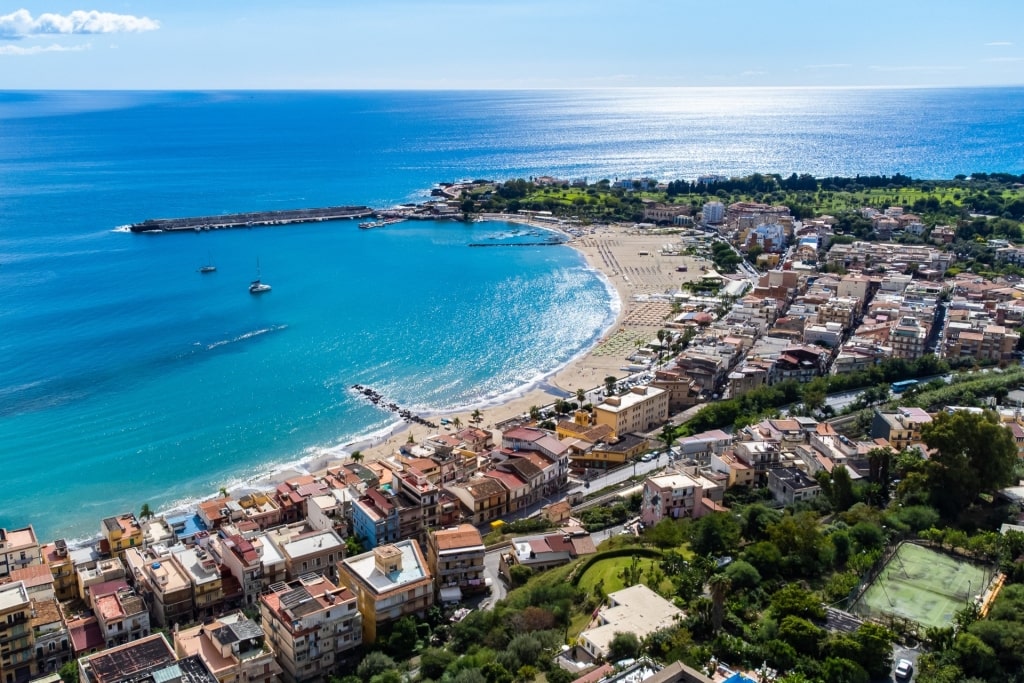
x=784 y=412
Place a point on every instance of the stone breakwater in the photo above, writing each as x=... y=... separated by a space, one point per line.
x=252 y=219
x=378 y=400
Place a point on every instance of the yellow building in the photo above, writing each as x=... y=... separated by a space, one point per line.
x=639 y=410
x=17 y=642
x=65 y=583
x=121 y=532
x=390 y=582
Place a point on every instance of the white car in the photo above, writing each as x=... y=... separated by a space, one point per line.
x=904 y=669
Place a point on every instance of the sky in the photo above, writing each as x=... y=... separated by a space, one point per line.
x=507 y=44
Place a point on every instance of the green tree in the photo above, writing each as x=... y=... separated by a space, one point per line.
x=69 y=672
x=434 y=661
x=843 y=495
x=374 y=663
x=975 y=453
x=357 y=456
x=146 y=512
x=743 y=574
x=715 y=534
x=609 y=385
x=804 y=636
x=623 y=646
x=667 y=436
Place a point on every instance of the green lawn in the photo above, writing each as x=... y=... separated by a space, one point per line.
x=607 y=573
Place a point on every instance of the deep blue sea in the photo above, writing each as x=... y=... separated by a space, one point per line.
x=126 y=377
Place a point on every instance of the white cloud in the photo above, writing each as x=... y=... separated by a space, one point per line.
x=996 y=60
x=18 y=51
x=999 y=43
x=21 y=23
x=828 y=66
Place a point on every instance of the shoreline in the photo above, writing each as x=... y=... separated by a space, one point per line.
x=631 y=265
x=627 y=262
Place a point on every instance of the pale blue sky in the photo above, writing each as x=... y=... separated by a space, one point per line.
x=254 y=44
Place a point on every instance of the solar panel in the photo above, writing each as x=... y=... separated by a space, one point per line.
x=295 y=597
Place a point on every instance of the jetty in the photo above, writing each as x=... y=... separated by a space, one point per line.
x=252 y=219
x=378 y=400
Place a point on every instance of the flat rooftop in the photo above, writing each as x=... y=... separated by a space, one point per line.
x=13 y=595
x=312 y=544
x=365 y=566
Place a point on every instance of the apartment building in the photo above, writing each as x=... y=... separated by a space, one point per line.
x=17 y=639
x=62 y=568
x=389 y=582
x=671 y=496
x=456 y=560
x=483 y=499
x=907 y=338
x=165 y=585
x=120 y=533
x=640 y=409
x=375 y=519
x=232 y=647
x=309 y=623
x=203 y=573
x=19 y=548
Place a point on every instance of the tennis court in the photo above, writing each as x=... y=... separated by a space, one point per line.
x=922 y=585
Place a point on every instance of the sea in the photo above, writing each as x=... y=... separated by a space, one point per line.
x=127 y=377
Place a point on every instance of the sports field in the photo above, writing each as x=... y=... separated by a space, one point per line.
x=922 y=585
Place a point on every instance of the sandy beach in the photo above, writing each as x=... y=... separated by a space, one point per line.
x=633 y=263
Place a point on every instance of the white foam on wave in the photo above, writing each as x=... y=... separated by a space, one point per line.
x=245 y=336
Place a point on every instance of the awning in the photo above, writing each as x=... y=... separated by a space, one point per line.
x=451 y=594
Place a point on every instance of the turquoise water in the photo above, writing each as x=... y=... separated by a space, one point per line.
x=126 y=377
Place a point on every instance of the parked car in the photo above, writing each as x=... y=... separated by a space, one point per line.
x=904 y=669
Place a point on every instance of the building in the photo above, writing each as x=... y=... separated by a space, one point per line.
x=548 y=551
x=790 y=485
x=671 y=496
x=18 y=549
x=389 y=582
x=120 y=533
x=612 y=453
x=52 y=638
x=309 y=622
x=164 y=584
x=483 y=499
x=640 y=409
x=315 y=551
x=713 y=213
x=149 y=660
x=900 y=428
x=636 y=609
x=120 y=612
x=62 y=568
x=17 y=638
x=456 y=560
x=203 y=574
x=232 y=647
x=375 y=519
x=907 y=338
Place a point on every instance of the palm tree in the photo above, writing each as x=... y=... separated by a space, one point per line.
x=223 y=492
x=457 y=423
x=146 y=512
x=719 y=585
x=581 y=396
x=477 y=416
x=534 y=413
x=357 y=456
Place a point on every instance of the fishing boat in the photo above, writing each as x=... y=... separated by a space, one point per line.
x=257 y=286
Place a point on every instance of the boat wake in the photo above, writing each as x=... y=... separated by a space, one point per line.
x=246 y=336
